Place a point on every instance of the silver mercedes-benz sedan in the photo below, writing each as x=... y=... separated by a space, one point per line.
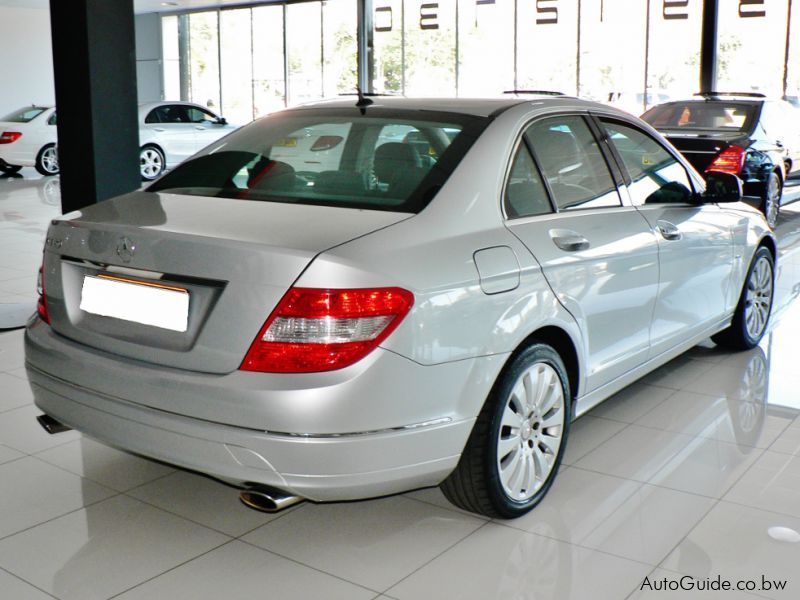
x=351 y=299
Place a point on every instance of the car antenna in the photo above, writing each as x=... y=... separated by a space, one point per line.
x=363 y=101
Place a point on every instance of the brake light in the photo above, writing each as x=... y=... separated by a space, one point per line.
x=730 y=160
x=41 y=304
x=314 y=330
x=9 y=136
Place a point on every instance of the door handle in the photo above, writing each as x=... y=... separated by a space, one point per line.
x=200 y=127
x=668 y=230
x=569 y=241
x=158 y=129
x=779 y=143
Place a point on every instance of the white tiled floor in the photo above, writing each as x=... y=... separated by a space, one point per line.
x=693 y=471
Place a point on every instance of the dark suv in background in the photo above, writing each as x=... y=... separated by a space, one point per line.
x=745 y=134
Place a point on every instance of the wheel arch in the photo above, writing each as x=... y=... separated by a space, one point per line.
x=564 y=345
x=769 y=243
x=154 y=145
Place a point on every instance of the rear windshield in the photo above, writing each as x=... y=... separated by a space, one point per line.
x=24 y=115
x=384 y=159
x=725 y=116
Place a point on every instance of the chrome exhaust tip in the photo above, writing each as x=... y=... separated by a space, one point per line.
x=51 y=426
x=267 y=500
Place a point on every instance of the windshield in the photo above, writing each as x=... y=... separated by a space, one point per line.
x=725 y=116
x=24 y=115
x=385 y=159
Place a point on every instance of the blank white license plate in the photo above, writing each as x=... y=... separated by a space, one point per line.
x=147 y=303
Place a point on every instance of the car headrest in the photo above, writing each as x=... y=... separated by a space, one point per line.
x=393 y=159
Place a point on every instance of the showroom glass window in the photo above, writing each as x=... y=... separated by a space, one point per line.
x=430 y=48
x=793 y=56
x=340 y=47
x=303 y=44
x=237 y=65
x=572 y=163
x=752 y=46
x=656 y=175
x=673 y=56
x=613 y=52
x=269 y=82
x=485 y=47
x=547 y=43
x=204 y=85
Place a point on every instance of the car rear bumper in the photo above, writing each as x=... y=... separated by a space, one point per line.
x=11 y=157
x=315 y=466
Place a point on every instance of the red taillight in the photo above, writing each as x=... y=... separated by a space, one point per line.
x=9 y=136
x=41 y=304
x=730 y=160
x=315 y=330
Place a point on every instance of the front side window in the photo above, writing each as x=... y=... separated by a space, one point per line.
x=385 y=159
x=572 y=163
x=198 y=115
x=656 y=175
x=525 y=194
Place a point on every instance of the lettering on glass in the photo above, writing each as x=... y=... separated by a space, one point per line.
x=752 y=8
x=429 y=16
x=384 y=19
x=674 y=9
x=546 y=12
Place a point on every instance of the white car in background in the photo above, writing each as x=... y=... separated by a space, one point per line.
x=169 y=133
x=28 y=139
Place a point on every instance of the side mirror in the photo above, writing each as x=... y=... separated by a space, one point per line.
x=221 y=121
x=722 y=187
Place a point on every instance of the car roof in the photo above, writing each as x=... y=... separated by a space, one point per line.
x=480 y=107
x=146 y=107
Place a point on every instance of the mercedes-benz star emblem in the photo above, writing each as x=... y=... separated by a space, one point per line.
x=125 y=249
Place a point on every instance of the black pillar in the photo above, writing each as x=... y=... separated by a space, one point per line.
x=708 y=48
x=366 y=55
x=94 y=63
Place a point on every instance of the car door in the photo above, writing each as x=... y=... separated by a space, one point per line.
x=171 y=128
x=695 y=241
x=599 y=257
x=207 y=128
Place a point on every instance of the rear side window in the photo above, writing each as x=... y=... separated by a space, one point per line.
x=386 y=159
x=572 y=163
x=525 y=194
x=24 y=115
x=656 y=175
x=714 y=114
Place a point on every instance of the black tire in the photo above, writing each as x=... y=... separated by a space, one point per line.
x=7 y=169
x=476 y=483
x=739 y=336
x=47 y=160
x=771 y=205
x=151 y=162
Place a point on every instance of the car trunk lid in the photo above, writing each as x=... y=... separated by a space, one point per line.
x=234 y=259
x=701 y=147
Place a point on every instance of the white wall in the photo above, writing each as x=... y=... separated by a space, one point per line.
x=149 y=76
x=26 y=67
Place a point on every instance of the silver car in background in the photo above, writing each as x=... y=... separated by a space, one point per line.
x=345 y=300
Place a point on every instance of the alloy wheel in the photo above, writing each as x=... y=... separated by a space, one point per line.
x=151 y=163
x=530 y=431
x=50 y=160
x=758 y=300
x=772 y=201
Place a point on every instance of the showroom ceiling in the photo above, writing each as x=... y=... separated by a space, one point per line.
x=140 y=6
